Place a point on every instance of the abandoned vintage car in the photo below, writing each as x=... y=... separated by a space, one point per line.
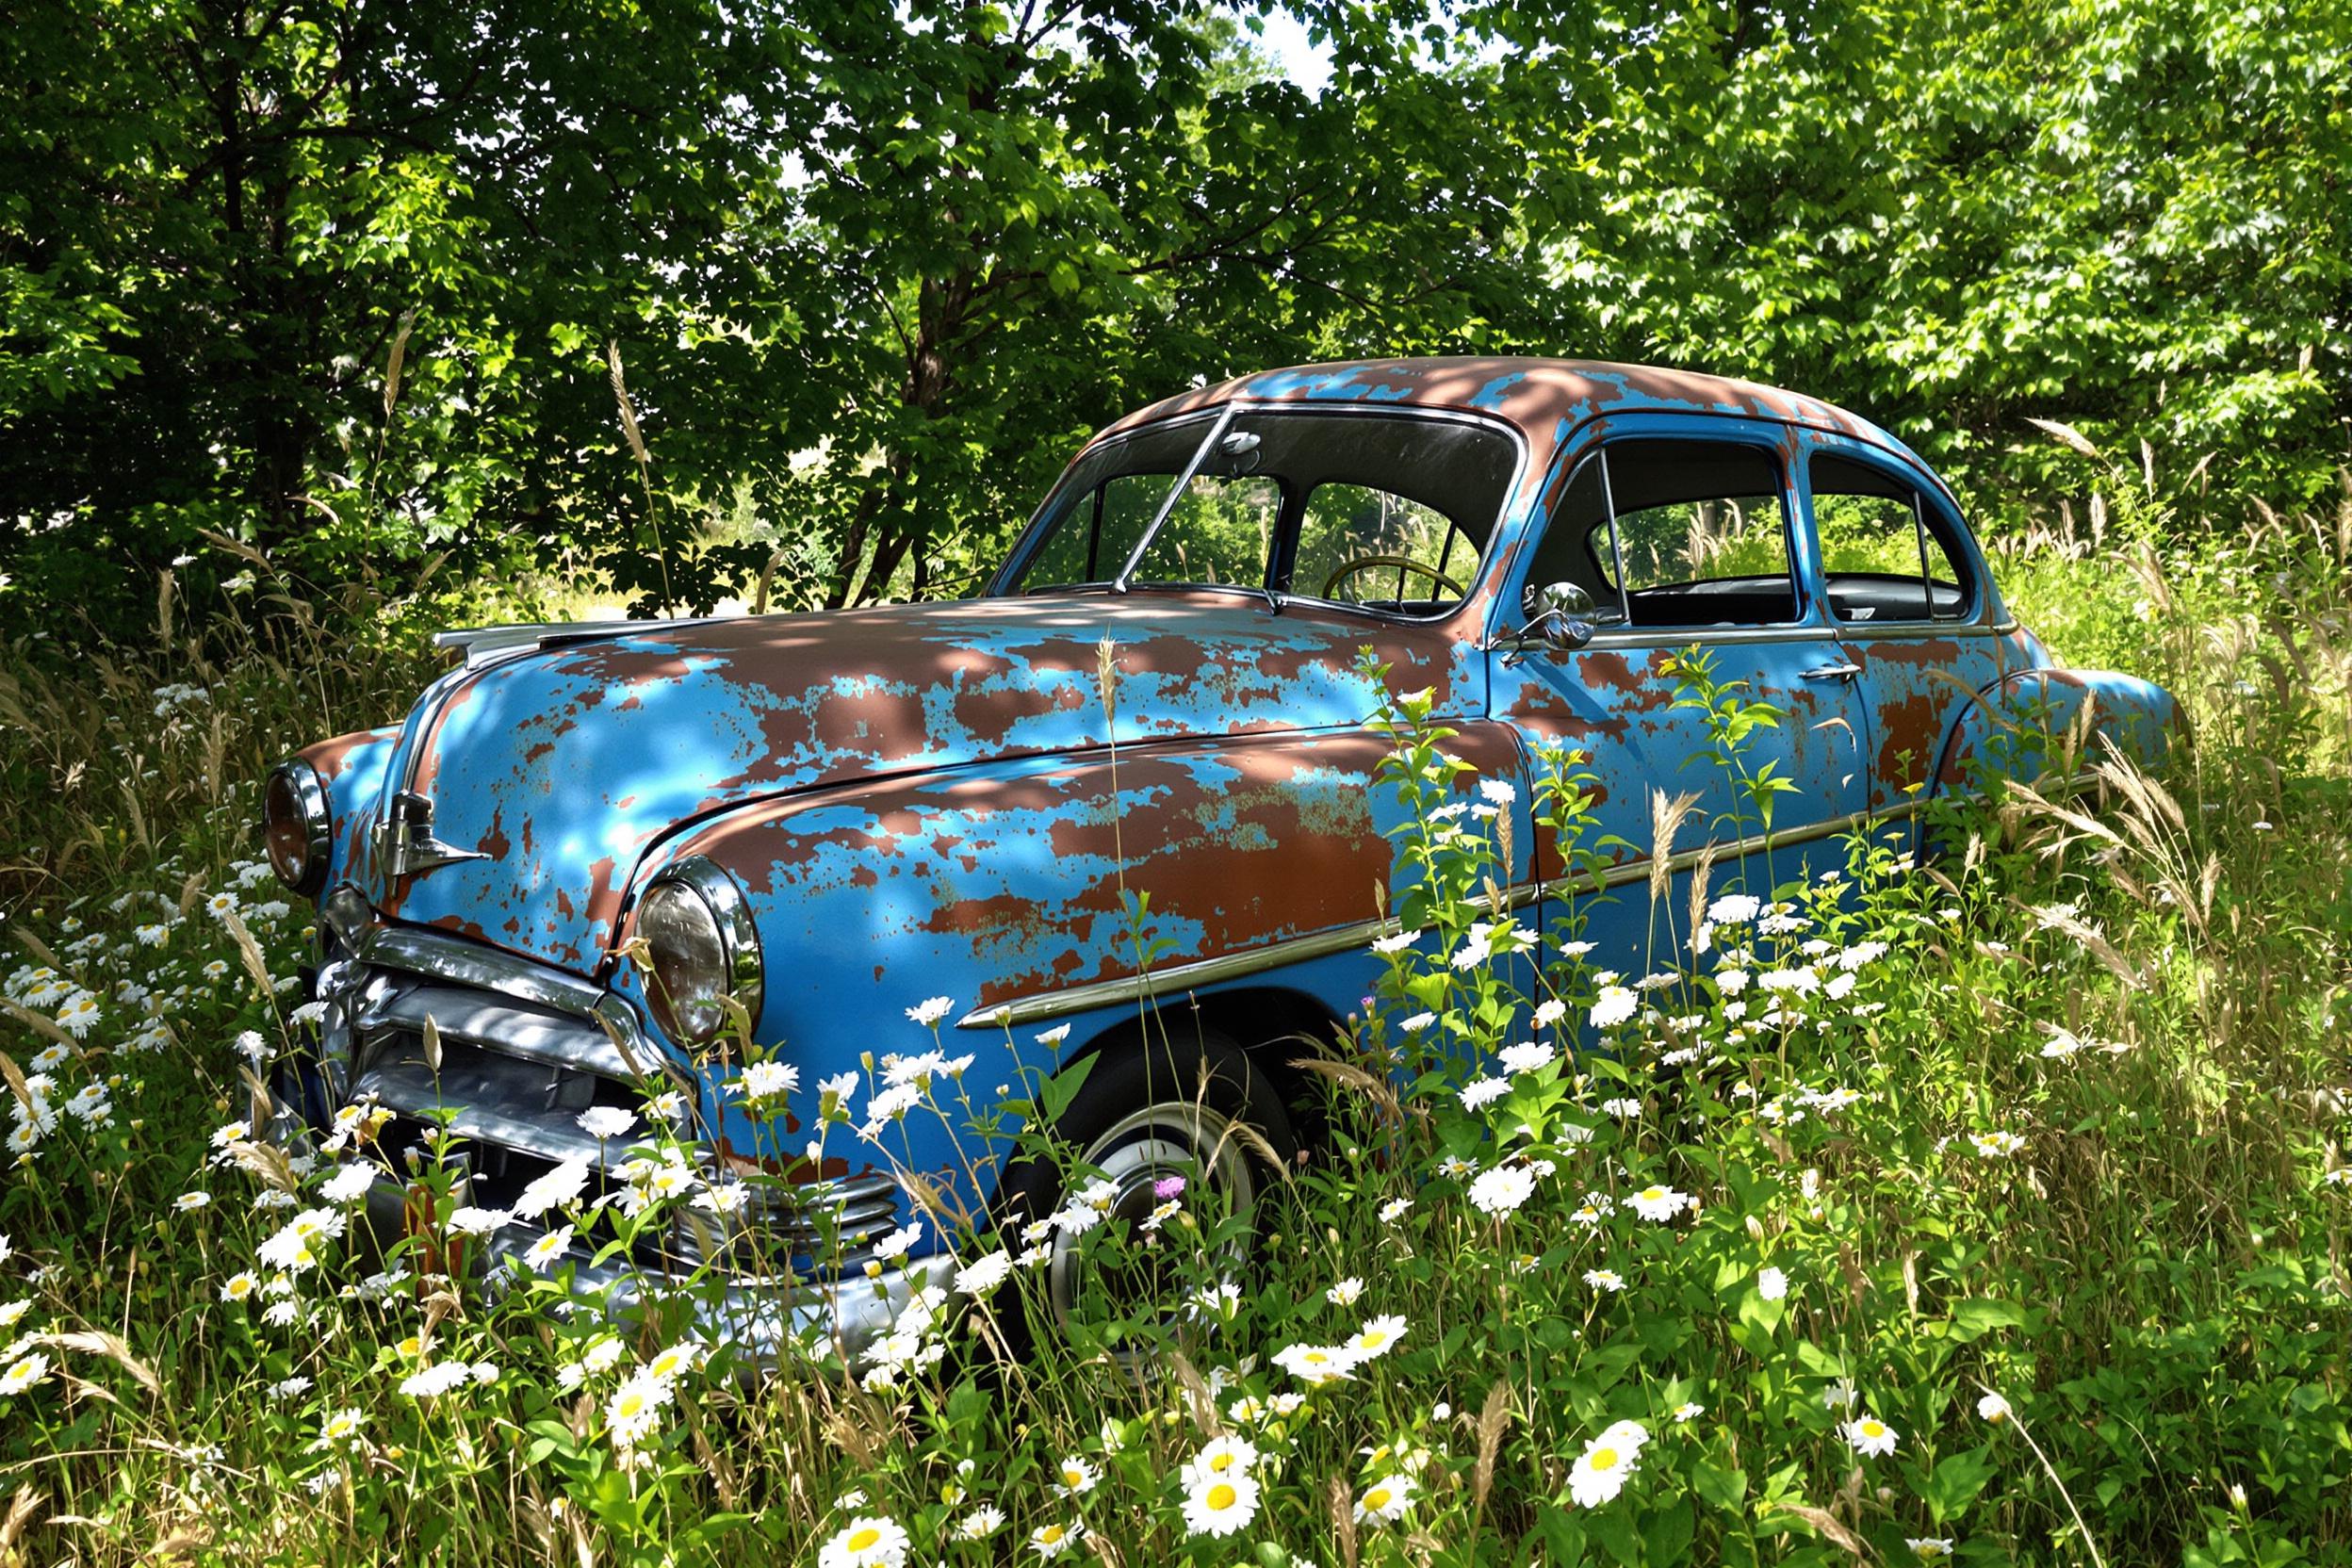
x=586 y=846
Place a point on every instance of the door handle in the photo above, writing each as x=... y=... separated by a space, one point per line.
x=1833 y=672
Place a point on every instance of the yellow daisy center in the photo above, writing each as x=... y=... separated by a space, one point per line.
x=1073 y=1475
x=1603 y=1459
x=865 y=1539
x=1051 y=1534
x=1222 y=1496
x=1377 y=1498
x=1221 y=1463
x=1373 y=1339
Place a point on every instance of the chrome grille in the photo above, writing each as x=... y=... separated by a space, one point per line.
x=525 y=1049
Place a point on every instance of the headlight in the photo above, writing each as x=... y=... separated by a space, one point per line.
x=699 y=936
x=295 y=826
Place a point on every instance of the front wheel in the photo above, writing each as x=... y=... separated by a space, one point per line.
x=1145 y=1114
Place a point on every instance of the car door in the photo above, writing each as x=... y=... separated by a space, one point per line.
x=1905 y=590
x=1681 y=533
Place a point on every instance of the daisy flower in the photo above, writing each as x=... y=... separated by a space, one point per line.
x=1770 y=1283
x=984 y=1275
x=980 y=1523
x=1929 y=1548
x=1481 y=1092
x=1376 y=1337
x=766 y=1079
x=1527 y=1056
x=186 y=1201
x=674 y=1362
x=1051 y=1541
x=1996 y=1146
x=1599 y=1472
x=1077 y=1477
x=866 y=1543
x=342 y=1429
x=605 y=1121
x=1501 y=1191
x=1316 y=1365
x=23 y=1374
x=1346 y=1293
x=1688 y=1412
x=634 y=1408
x=1604 y=1278
x=239 y=1286
x=1615 y=1004
x=1393 y=1210
x=1218 y=1505
x=1222 y=1456
x=931 y=1011
x=1658 y=1204
x=1384 y=1501
x=1870 y=1435
x=79 y=1015
x=1993 y=1408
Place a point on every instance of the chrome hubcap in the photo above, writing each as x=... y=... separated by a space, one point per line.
x=1178 y=1138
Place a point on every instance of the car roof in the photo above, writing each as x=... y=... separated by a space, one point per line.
x=1546 y=399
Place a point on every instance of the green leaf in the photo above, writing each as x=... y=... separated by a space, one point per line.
x=1725 y=1488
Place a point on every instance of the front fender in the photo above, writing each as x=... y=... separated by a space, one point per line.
x=353 y=768
x=1048 y=884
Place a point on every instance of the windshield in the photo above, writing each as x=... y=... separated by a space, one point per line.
x=1386 y=510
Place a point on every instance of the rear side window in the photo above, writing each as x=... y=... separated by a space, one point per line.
x=1880 y=560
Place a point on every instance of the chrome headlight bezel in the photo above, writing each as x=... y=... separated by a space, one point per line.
x=296 y=785
x=742 y=969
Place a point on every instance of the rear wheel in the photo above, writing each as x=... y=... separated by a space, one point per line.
x=1147 y=1113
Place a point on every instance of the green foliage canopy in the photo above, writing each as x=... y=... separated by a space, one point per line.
x=351 y=282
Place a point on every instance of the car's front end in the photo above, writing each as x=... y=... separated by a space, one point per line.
x=467 y=1071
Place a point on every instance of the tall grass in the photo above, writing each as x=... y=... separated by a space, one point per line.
x=2006 y=1223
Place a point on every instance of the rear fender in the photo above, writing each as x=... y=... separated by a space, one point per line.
x=2042 y=723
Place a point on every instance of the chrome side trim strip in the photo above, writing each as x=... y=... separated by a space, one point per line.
x=1342 y=938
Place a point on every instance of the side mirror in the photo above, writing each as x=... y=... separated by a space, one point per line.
x=1562 y=616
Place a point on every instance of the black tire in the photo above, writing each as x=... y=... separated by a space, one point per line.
x=1194 y=1107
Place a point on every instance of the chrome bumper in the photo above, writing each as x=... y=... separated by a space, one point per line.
x=767 y=1323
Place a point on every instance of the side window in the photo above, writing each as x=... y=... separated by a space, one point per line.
x=1102 y=532
x=1700 y=535
x=1358 y=544
x=1221 y=530
x=1880 y=560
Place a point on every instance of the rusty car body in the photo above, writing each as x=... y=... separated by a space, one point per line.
x=878 y=805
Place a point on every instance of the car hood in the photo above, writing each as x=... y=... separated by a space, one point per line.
x=564 y=766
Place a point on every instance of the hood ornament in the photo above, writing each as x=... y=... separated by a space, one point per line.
x=404 y=840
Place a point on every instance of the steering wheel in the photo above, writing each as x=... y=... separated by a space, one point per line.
x=1401 y=563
